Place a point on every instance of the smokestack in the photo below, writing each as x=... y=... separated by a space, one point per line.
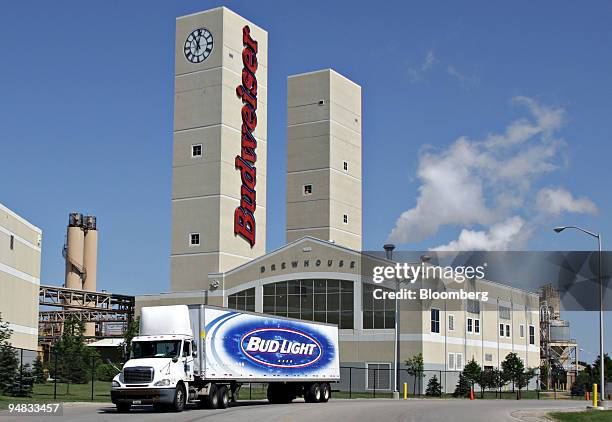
x=73 y=252
x=90 y=252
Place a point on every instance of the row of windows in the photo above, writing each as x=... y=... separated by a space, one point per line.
x=319 y=300
x=377 y=313
x=244 y=300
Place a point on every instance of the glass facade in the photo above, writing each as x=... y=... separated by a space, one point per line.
x=319 y=300
x=243 y=300
x=377 y=313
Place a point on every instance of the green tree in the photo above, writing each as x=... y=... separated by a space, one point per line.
x=74 y=357
x=416 y=368
x=513 y=370
x=489 y=379
x=8 y=360
x=434 y=388
x=130 y=333
x=472 y=372
x=38 y=371
x=463 y=386
x=607 y=369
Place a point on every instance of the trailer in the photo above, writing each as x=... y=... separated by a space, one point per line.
x=203 y=354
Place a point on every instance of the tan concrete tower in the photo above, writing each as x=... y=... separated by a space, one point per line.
x=74 y=251
x=219 y=157
x=324 y=158
x=90 y=253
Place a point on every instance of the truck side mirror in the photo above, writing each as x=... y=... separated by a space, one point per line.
x=175 y=359
x=194 y=354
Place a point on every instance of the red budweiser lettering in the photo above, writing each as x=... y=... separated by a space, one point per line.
x=244 y=216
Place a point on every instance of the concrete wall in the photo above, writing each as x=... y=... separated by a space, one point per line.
x=19 y=277
x=207 y=112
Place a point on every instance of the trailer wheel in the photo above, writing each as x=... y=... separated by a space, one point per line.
x=325 y=392
x=179 y=398
x=212 y=400
x=313 y=394
x=123 y=407
x=223 y=397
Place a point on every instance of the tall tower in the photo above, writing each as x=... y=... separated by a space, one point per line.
x=324 y=158
x=220 y=143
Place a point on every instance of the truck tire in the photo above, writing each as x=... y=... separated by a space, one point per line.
x=223 y=397
x=313 y=393
x=212 y=400
x=123 y=407
x=180 y=398
x=325 y=392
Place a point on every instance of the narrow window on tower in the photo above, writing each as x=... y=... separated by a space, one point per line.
x=196 y=151
x=307 y=189
x=12 y=242
x=345 y=218
x=194 y=239
x=345 y=166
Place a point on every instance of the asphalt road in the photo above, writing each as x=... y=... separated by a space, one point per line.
x=379 y=410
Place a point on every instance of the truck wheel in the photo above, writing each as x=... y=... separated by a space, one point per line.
x=179 y=398
x=223 y=397
x=212 y=400
x=313 y=394
x=325 y=392
x=123 y=407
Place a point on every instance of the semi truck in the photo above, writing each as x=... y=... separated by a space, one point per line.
x=203 y=354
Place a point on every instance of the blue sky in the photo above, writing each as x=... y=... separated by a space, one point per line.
x=86 y=118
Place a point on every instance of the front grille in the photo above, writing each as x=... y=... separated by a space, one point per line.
x=137 y=374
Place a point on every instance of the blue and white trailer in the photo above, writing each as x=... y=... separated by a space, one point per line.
x=203 y=354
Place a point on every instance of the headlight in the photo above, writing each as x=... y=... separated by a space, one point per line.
x=162 y=383
x=116 y=384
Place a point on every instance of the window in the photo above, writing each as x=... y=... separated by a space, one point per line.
x=458 y=362
x=489 y=357
x=522 y=331
x=378 y=376
x=12 y=242
x=532 y=335
x=345 y=219
x=319 y=300
x=476 y=326
x=451 y=322
x=501 y=330
x=473 y=306
x=504 y=312
x=470 y=325
x=196 y=150
x=307 y=189
x=194 y=239
x=186 y=349
x=243 y=301
x=435 y=320
x=508 y=330
x=377 y=313
x=455 y=361
x=345 y=165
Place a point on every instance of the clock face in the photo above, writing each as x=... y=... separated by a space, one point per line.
x=198 y=45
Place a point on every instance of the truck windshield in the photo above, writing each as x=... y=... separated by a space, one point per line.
x=156 y=349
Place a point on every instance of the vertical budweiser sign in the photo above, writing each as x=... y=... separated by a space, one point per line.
x=244 y=216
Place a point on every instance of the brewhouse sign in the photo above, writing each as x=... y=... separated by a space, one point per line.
x=244 y=216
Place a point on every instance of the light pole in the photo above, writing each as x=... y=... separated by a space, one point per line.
x=389 y=255
x=602 y=380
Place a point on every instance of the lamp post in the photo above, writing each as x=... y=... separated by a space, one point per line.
x=389 y=255
x=602 y=380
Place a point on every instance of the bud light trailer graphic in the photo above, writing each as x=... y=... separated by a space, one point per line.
x=244 y=345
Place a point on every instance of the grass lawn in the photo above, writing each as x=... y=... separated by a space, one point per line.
x=589 y=416
x=65 y=393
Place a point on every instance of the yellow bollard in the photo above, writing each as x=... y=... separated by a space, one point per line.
x=594 y=395
x=405 y=390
